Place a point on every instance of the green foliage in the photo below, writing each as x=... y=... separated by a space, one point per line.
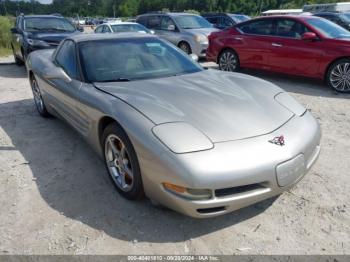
x=192 y=12
x=5 y=35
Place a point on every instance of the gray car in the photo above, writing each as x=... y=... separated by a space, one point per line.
x=187 y=31
x=201 y=142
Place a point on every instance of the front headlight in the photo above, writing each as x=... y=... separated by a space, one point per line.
x=188 y=193
x=201 y=39
x=36 y=42
x=181 y=138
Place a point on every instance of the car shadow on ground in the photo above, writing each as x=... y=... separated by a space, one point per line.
x=72 y=180
x=298 y=85
x=293 y=84
x=12 y=71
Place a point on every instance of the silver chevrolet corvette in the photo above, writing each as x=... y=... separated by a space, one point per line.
x=201 y=142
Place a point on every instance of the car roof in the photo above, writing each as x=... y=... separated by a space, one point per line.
x=227 y=14
x=169 y=13
x=100 y=37
x=121 y=23
x=296 y=17
x=327 y=13
x=43 y=16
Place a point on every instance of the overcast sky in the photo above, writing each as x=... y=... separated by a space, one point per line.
x=45 y=1
x=41 y=1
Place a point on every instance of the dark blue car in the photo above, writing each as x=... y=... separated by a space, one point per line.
x=35 y=32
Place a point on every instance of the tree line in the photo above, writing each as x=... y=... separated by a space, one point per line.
x=129 y=8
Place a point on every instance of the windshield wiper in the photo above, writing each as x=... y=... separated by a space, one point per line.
x=120 y=79
x=55 y=29
x=46 y=29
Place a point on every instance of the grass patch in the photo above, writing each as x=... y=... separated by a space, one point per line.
x=5 y=52
x=5 y=35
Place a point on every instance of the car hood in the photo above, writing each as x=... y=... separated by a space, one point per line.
x=52 y=37
x=204 y=31
x=224 y=106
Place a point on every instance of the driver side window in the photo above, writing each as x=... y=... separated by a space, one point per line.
x=99 y=29
x=66 y=59
x=167 y=24
x=106 y=29
x=290 y=28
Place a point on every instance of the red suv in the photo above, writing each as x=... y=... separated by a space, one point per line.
x=297 y=45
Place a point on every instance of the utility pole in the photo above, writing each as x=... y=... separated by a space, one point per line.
x=4 y=5
x=32 y=2
x=261 y=5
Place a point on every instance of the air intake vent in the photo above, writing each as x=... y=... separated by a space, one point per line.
x=211 y=210
x=238 y=190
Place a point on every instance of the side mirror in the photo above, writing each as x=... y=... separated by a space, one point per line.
x=309 y=36
x=14 y=30
x=80 y=28
x=55 y=74
x=171 y=28
x=194 y=57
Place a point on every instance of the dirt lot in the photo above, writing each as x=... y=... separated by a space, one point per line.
x=56 y=198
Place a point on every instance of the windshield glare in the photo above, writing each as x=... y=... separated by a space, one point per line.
x=329 y=29
x=129 y=28
x=48 y=24
x=240 y=18
x=192 y=22
x=346 y=17
x=133 y=59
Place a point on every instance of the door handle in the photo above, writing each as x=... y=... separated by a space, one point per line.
x=276 y=45
x=238 y=38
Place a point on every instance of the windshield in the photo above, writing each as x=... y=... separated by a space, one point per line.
x=192 y=22
x=48 y=24
x=345 y=17
x=329 y=29
x=240 y=18
x=133 y=59
x=129 y=28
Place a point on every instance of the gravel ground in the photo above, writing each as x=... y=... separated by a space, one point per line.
x=56 y=198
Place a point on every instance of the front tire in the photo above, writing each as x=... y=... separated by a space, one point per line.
x=18 y=61
x=38 y=99
x=338 y=76
x=228 y=61
x=185 y=47
x=122 y=163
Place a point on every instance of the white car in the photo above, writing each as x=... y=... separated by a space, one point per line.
x=122 y=27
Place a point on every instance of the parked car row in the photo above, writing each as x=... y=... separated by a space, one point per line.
x=297 y=45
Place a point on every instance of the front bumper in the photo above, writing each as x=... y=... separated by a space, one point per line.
x=200 y=49
x=239 y=173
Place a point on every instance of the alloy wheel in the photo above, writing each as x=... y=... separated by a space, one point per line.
x=228 y=61
x=186 y=48
x=118 y=163
x=340 y=77
x=37 y=96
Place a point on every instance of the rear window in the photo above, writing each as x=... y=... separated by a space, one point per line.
x=258 y=27
x=154 y=22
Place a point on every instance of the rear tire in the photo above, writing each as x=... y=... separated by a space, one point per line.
x=122 y=163
x=228 y=61
x=38 y=99
x=338 y=76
